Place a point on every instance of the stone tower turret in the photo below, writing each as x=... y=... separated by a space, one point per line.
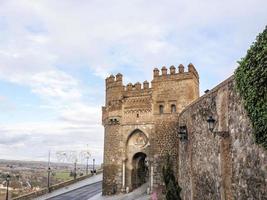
x=140 y=123
x=111 y=119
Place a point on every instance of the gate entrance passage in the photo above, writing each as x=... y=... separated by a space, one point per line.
x=140 y=170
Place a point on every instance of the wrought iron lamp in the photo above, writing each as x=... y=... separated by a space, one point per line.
x=211 y=123
x=211 y=126
x=48 y=178
x=182 y=134
x=7 y=185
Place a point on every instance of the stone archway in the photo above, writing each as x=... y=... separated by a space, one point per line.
x=140 y=170
x=136 y=166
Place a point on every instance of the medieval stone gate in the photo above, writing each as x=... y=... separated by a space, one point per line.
x=140 y=126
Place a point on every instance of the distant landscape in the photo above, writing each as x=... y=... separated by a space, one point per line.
x=29 y=176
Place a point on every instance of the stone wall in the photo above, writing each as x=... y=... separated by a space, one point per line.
x=112 y=159
x=220 y=167
x=163 y=142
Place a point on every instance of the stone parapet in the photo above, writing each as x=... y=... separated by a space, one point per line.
x=44 y=191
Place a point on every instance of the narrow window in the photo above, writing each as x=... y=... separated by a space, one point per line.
x=173 y=108
x=137 y=115
x=161 y=109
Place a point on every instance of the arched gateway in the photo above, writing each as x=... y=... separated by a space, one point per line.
x=137 y=172
x=140 y=170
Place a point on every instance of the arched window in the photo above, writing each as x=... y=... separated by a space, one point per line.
x=161 y=109
x=173 y=108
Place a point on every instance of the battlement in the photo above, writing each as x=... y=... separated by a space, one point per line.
x=137 y=89
x=173 y=74
x=137 y=86
x=113 y=81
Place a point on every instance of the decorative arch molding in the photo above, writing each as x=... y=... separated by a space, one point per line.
x=136 y=155
x=138 y=138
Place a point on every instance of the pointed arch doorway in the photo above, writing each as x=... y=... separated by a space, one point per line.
x=136 y=160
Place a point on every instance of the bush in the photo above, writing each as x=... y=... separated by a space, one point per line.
x=251 y=82
x=172 y=188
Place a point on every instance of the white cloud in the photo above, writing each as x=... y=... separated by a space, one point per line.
x=55 y=84
x=81 y=114
x=36 y=37
x=106 y=35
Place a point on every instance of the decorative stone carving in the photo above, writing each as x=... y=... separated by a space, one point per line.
x=140 y=141
x=137 y=140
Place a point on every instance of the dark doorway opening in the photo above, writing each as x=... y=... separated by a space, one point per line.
x=140 y=170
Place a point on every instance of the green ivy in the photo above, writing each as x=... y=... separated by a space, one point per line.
x=172 y=187
x=251 y=82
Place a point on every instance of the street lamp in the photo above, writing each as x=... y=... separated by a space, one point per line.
x=48 y=172
x=94 y=165
x=211 y=126
x=93 y=171
x=48 y=179
x=88 y=155
x=75 y=169
x=7 y=185
x=87 y=164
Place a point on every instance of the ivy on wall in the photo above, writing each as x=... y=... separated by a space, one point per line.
x=251 y=82
x=173 y=189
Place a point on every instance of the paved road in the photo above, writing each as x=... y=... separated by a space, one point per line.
x=83 y=193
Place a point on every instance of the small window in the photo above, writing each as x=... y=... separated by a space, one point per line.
x=173 y=108
x=161 y=109
x=137 y=115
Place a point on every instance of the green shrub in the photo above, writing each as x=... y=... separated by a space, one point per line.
x=251 y=82
x=172 y=188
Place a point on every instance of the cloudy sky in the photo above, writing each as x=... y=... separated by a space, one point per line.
x=55 y=55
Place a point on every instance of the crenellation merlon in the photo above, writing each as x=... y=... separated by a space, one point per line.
x=172 y=69
x=137 y=86
x=129 y=87
x=110 y=79
x=192 y=69
x=164 y=71
x=119 y=77
x=156 y=72
x=113 y=81
x=181 y=68
x=145 y=85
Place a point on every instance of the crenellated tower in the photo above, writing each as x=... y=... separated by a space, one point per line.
x=174 y=89
x=140 y=123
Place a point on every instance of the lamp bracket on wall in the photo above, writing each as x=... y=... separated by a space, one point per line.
x=211 y=125
x=221 y=133
x=182 y=133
